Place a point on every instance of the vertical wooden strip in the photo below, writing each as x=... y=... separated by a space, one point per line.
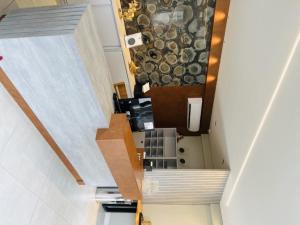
x=9 y=86
x=120 y=89
x=218 y=33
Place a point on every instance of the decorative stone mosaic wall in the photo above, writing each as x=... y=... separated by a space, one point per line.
x=177 y=34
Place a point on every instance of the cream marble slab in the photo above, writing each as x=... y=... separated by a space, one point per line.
x=65 y=80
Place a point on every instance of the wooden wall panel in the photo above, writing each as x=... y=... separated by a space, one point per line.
x=170 y=106
x=220 y=20
x=118 y=148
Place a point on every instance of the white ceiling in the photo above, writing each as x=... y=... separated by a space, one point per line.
x=255 y=118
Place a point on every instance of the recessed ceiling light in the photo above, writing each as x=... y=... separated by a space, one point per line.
x=213 y=60
x=215 y=40
x=210 y=77
x=219 y=16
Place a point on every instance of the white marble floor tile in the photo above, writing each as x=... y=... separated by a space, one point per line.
x=17 y=203
x=8 y=118
x=35 y=187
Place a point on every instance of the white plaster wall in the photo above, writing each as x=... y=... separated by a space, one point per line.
x=263 y=187
x=35 y=187
x=106 y=26
x=119 y=218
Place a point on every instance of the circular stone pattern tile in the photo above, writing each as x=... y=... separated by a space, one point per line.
x=171 y=58
x=201 y=79
x=176 y=82
x=164 y=67
x=171 y=34
x=166 y=78
x=187 y=55
x=185 y=39
x=154 y=76
x=149 y=67
x=186 y=11
x=151 y=8
x=154 y=55
x=143 y=20
x=188 y=79
x=194 y=68
x=159 y=44
x=172 y=46
x=203 y=57
x=142 y=78
x=179 y=71
x=200 y=44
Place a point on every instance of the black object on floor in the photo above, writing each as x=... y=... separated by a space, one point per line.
x=181 y=150
x=123 y=207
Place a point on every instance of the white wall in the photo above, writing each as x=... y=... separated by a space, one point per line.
x=193 y=154
x=118 y=219
x=35 y=187
x=177 y=214
x=106 y=26
x=108 y=33
x=182 y=214
x=263 y=187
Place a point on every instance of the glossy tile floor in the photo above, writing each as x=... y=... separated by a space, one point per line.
x=35 y=187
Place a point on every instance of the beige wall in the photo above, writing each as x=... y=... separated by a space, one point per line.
x=35 y=3
x=182 y=214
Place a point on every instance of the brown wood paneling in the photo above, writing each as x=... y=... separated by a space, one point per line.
x=37 y=123
x=139 y=209
x=120 y=89
x=118 y=148
x=170 y=106
x=219 y=26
